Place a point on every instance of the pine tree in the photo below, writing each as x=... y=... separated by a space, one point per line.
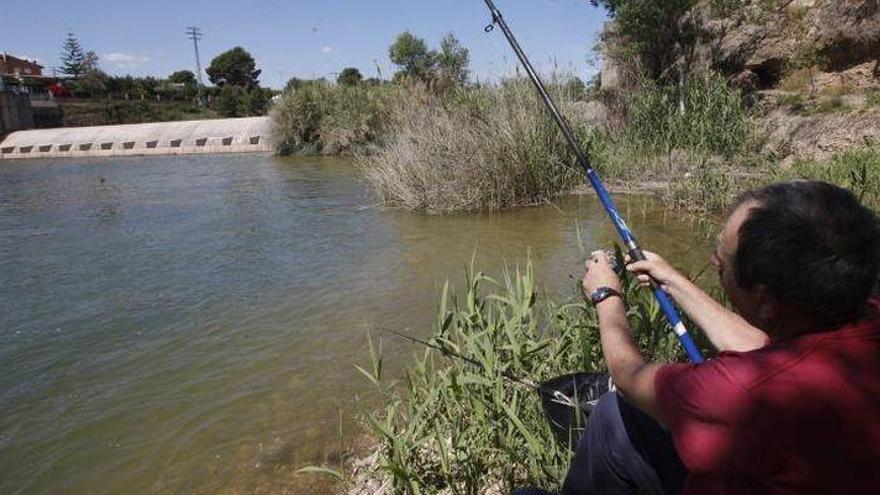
x=72 y=57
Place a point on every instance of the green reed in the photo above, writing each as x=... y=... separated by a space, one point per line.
x=451 y=427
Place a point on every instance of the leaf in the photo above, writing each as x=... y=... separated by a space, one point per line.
x=322 y=470
x=533 y=442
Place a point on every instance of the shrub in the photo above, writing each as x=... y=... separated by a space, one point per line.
x=239 y=101
x=470 y=148
x=317 y=117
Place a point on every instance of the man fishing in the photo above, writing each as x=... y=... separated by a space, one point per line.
x=791 y=404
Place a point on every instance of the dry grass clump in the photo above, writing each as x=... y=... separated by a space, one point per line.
x=487 y=147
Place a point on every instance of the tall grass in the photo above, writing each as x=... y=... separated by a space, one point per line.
x=323 y=118
x=449 y=427
x=857 y=169
x=670 y=130
x=486 y=147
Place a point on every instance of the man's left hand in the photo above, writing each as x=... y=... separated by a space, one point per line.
x=600 y=273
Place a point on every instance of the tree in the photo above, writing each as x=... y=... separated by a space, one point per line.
x=72 y=57
x=453 y=60
x=239 y=101
x=349 y=77
x=183 y=77
x=90 y=62
x=411 y=54
x=652 y=31
x=234 y=67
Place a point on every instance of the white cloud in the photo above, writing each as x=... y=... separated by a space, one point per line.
x=125 y=60
x=327 y=49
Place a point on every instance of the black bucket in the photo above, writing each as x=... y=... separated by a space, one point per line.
x=568 y=401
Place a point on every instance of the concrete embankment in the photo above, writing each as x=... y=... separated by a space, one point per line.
x=162 y=138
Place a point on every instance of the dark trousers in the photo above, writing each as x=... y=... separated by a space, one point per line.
x=622 y=451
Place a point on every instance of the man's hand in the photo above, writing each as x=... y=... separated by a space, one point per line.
x=600 y=273
x=658 y=269
x=726 y=330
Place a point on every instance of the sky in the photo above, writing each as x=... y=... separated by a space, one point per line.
x=300 y=38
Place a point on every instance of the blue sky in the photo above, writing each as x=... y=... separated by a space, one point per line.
x=302 y=38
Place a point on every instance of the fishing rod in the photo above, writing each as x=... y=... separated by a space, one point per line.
x=635 y=251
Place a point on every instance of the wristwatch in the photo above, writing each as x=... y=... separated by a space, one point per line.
x=603 y=293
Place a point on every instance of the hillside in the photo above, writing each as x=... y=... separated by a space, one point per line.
x=809 y=69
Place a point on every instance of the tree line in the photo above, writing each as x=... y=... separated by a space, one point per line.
x=236 y=89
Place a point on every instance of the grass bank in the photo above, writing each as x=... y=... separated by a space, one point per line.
x=463 y=148
x=450 y=427
x=495 y=146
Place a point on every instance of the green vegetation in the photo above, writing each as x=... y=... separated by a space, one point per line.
x=238 y=101
x=72 y=57
x=349 y=76
x=470 y=148
x=653 y=33
x=448 y=66
x=711 y=118
x=451 y=427
x=857 y=169
x=234 y=67
x=88 y=112
x=317 y=117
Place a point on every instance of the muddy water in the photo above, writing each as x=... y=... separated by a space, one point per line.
x=174 y=325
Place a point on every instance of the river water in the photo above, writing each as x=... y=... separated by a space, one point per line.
x=190 y=324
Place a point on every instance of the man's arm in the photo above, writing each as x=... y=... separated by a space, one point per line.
x=633 y=377
x=726 y=330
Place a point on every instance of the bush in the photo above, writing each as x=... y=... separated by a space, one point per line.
x=451 y=427
x=238 y=101
x=471 y=148
x=317 y=117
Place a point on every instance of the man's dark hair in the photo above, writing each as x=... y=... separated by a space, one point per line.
x=813 y=246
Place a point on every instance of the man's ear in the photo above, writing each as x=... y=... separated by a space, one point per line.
x=767 y=305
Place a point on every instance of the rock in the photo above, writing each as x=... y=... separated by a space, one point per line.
x=862 y=78
x=787 y=136
x=847 y=32
x=843 y=34
x=609 y=77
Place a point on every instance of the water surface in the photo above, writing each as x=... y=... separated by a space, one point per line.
x=189 y=324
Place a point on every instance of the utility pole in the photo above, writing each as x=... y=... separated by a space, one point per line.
x=195 y=34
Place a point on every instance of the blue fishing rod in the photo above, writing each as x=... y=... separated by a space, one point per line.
x=635 y=252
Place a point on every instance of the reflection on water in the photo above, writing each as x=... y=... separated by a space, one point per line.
x=190 y=324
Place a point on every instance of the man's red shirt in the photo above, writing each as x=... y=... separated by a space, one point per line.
x=798 y=416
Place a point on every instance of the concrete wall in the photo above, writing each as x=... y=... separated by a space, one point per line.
x=15 y=112
x=163 y=138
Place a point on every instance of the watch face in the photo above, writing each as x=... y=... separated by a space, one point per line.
x=599 y=295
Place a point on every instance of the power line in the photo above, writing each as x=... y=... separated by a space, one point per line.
x=195 y=34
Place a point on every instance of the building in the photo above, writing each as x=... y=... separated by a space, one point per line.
x=15 y=66
x=25 y=101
